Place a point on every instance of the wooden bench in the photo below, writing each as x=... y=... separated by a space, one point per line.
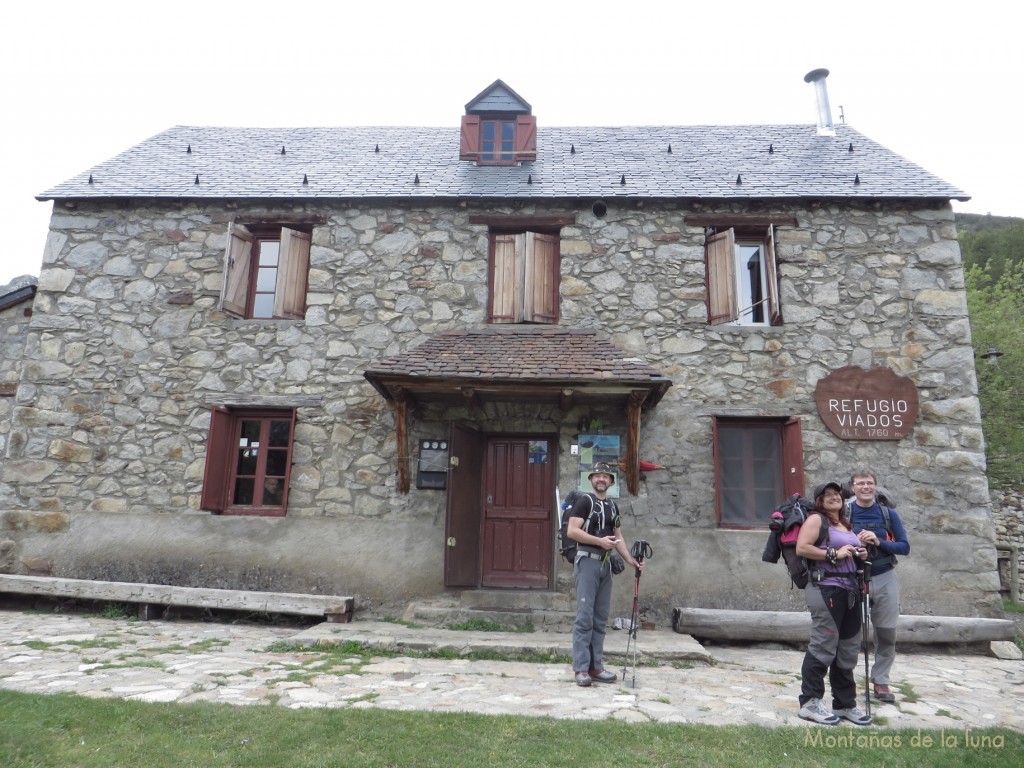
x=331 y=607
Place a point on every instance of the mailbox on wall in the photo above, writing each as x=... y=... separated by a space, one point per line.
x=432 y=469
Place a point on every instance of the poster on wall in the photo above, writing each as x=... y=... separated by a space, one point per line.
x=595 y=448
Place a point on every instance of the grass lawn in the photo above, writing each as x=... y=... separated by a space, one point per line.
x=67 y=731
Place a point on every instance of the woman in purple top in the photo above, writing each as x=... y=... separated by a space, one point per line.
x=832 y=551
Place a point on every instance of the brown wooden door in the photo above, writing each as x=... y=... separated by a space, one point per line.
x=462 y=519
x=518 y=527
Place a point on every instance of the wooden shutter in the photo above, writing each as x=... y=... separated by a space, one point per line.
x=792 y=458
x=719 y=254
x=771 y=272
x=218 y=450
x=505 y=278
x=469 y=143
x=716 y=462
x=541 y=277
x=292 y=274
x=526 y=137
x=237 y=266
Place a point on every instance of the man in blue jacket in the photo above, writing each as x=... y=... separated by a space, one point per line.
x=884 y=542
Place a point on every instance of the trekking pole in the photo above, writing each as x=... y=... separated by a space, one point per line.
x=865 y=580
x=640 y=551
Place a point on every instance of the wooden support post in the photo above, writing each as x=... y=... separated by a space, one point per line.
x=631 y=458
x=401 y=407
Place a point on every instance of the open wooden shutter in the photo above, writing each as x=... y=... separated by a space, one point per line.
x=217 y=473
x=469 y=142
x=237 y=265
x=541 y=278
x=526 y=137
x=771 y=273
x=792 y=458
x=719 y=254
x=506 y=278
x=292 y=274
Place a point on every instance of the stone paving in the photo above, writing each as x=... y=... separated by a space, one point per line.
x=186 y=661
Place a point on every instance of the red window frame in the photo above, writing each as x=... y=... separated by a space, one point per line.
x=743 y=498
x=250 y=273
x=247 y=476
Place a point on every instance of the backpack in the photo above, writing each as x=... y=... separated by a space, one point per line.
x=784 y=527
x=887 y=506
x=566 y=545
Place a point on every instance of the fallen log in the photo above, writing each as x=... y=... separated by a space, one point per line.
x=793 y=627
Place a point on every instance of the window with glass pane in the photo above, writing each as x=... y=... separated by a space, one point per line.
x=497 y=140
x=266 y=278
x=742 y=277
x=261 y=466
x=248 y=461
x=749 y=464
x=266 y=274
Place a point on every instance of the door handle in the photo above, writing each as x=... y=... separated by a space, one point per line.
x=451 y=541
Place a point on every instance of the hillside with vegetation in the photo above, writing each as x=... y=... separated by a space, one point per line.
x=993 y=255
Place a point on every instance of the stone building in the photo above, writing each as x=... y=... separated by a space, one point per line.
x=361 y=360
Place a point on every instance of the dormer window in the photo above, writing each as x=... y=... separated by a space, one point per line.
x=497 y=141
x=498 y=128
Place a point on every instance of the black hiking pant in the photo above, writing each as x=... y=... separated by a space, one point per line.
x=833 y=646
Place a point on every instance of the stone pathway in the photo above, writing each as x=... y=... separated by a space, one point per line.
x=230 y=663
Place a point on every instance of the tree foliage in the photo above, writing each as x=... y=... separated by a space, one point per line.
x=994 y=268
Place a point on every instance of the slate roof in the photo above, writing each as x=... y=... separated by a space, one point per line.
x=18 y=290
x=709 y=162
x=519 y=355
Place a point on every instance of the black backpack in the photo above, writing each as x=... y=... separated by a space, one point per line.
x=784 y=528
x=566 y=545
x=878 y=558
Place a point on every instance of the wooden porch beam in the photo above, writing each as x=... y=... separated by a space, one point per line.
x=565 y=401
x=471 y=398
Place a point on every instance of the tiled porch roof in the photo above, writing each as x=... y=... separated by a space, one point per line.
x=548 y=358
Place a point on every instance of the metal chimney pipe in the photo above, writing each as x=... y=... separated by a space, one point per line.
x=825 y=126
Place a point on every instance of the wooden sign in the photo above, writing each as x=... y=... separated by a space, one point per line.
x=860 y=404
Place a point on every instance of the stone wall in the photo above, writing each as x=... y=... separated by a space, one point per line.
x=1008 y=513
x=14 y=322
x=127 y=352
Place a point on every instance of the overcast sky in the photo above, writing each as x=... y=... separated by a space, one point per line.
x=938 y=82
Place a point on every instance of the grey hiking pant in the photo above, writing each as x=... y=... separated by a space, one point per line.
x=593 y=604
x=834 y=645
x=885 y=613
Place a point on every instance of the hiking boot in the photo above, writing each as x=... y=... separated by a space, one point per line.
x=884 y=693
x=815 y=711
x=603 y=676
x=582 y=679
x=854 y=714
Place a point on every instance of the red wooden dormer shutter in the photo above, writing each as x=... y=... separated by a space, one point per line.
x=526 y=137
x=469 y=144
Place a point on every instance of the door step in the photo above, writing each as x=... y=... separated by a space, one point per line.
x=521 y=609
